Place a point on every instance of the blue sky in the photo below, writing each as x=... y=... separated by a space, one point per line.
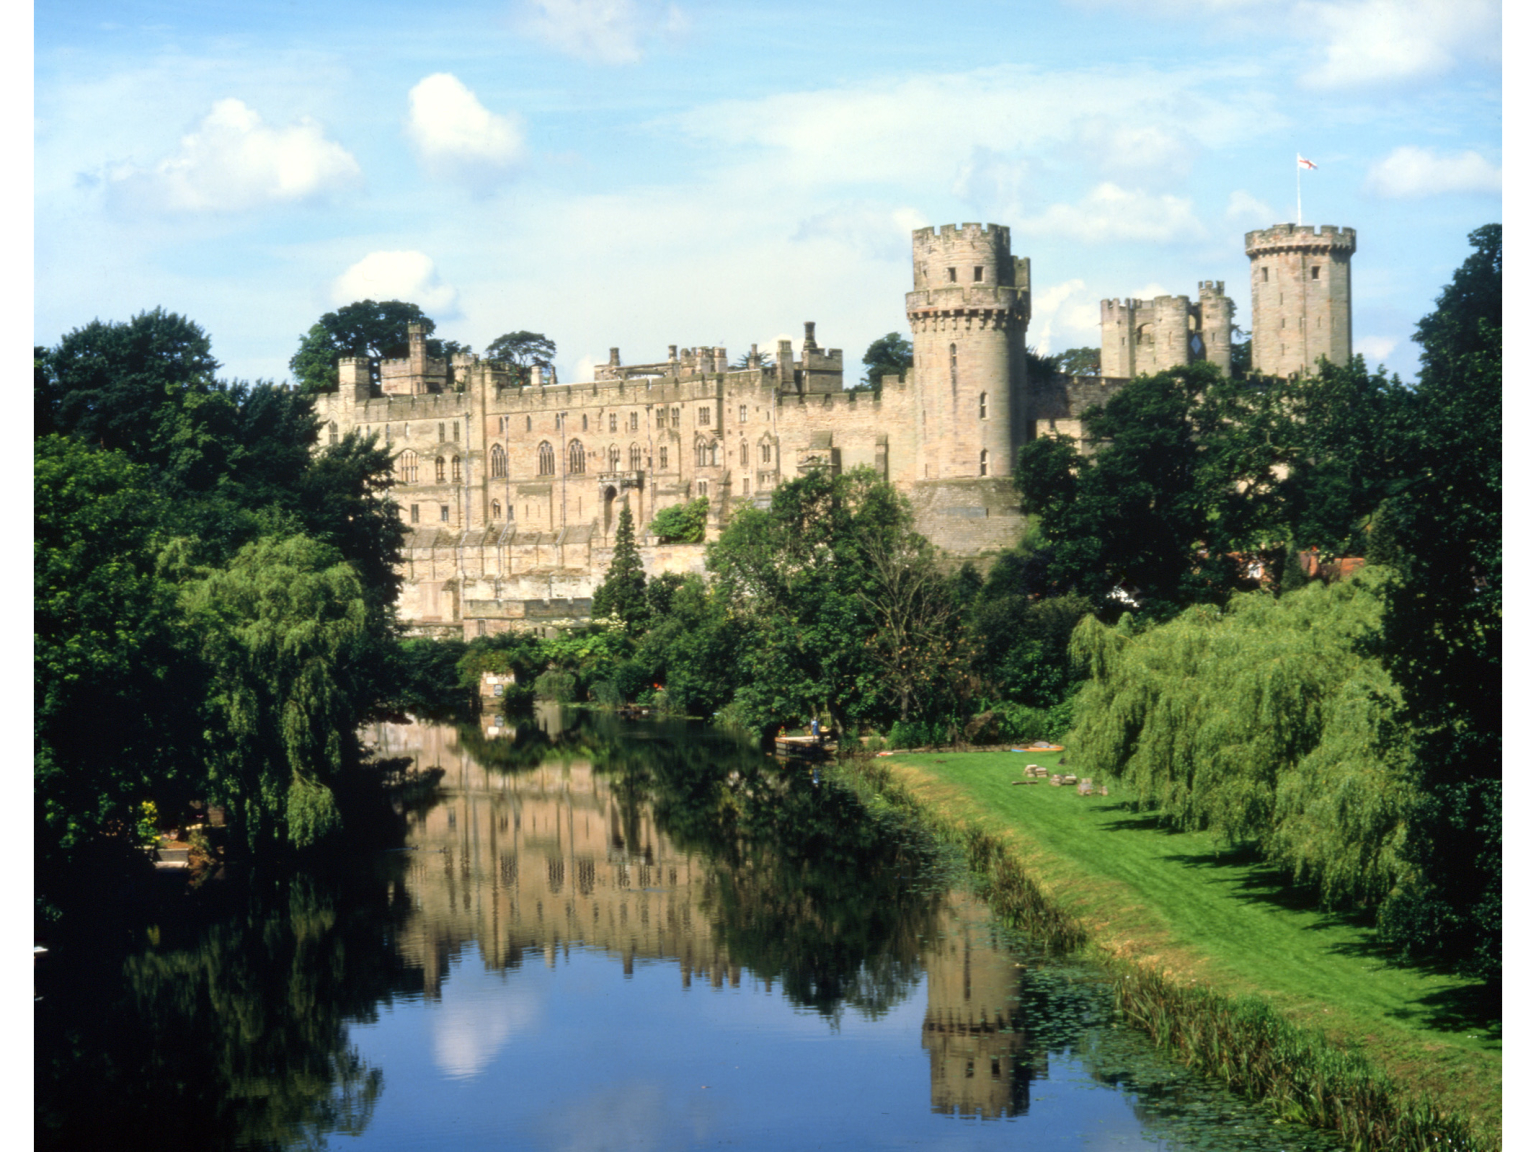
x=622 y=172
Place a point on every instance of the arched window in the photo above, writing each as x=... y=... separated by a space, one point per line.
x=701 y=453
x=663 y=457
x=498 y=461
x=634 y=457
x=578 y=458
x=546 y=459
x=405 y=467
x=954 y=360
x=767 y=452
x=983 y=405
x=441 y=470
x=458 y=470
x=983 y=461
x=495 y=509
x=333 y=431
x=613 y=457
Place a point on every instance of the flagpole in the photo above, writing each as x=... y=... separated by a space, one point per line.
x=1298 y=189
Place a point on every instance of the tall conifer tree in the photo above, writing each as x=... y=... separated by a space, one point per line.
x=622 y=592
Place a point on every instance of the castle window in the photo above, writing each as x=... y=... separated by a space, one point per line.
x=498 y=461
x=954 y=367
x=767 y=453
x=701 y=453
x=442 y=513
x=951 y=272
x=663 y=457
x=634 y=457
x=455 y=429
x=578 y=456
x=677 y=417
x=983 y=461
x=976 y=274
x=333 y=431
x=703 y=417
x=1282 y=321
x=703 y=487
x=744 y=458
x=495 y=509
x=501 y=424
x=405 y=467
x=983 y=406
x=743 y=414
x=458 y=470
x=530 y=423
x=1264 y=275
x=415 y=513
x=634 y=421
x=546 y=459
x=583 y=421
x=441 y=473
x=442 y=433
x=1314 y=271
x=613 y=421
x=613 y=457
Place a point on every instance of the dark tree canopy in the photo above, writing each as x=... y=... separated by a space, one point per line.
x=521 y=351
x=891 y=355
x=371 y=328
x=1078 y=362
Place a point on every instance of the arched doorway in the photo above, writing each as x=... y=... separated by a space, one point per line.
x=608 y=496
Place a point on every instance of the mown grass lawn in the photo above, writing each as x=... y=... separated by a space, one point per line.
x=1191 y=905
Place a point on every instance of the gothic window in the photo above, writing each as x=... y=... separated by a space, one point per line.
x=701 y=453
x=458 y=469
x=743 y=414
x=983 y=405
x=583 y=421
x=663 y=457
x=442 y=433
x=405 y=467
x=983 y=461
x=704 y=417
x=578 y=458
x=744 y=458
x=333 y=432
x=703 y=487
x=501 y=424
x=634 y=421
x=634 y=457
x=495 y=509
x=498 y=461
x=546 y=459
x=677 y=417
x=613 y=421
x=767 y=453
x=613 y=457
x=441 y=473
x=455 y=430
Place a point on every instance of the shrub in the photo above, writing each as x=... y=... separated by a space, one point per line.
x=606 y=694
x=555 y=685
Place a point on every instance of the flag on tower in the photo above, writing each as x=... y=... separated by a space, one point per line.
x=1302 y=162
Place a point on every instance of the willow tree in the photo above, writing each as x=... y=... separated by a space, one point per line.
x=1268 y=723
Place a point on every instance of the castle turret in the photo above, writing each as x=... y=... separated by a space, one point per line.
x=1301 y=297
x=1216 y=324
x=969 y=310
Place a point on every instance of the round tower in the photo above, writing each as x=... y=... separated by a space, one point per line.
x=969 y=309
x=1301 y=300
x=1216 y=324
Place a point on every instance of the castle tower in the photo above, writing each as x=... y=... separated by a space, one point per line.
x=969 y=309
x=1216 y=324
x=1301 y=302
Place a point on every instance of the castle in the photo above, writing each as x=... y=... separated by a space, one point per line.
x=510 y=493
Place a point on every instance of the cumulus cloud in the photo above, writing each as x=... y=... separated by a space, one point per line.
x=602 y=31
x=1371 y=41
x=1375 y=349
x=458 y=137
x=232 y=161
x=1063 y=316
x=1411 y=171
x=1135 y=153
x=409 y=276
x=871 y=230
x=991 y=179
x=1110 y=213
x=1245 y=208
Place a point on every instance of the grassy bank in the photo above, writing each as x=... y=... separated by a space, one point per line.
x=1177 y=914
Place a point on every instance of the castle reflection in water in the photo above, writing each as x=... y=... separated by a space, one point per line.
x=529 y=862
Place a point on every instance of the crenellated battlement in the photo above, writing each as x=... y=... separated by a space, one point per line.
x=1280 y=237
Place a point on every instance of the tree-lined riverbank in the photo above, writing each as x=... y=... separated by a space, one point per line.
x=1154 y=902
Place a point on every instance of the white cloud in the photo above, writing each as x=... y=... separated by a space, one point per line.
x=1412 y=171
x=1110 y=213
x=1062 y=317
x=232 y=162
x=409 y=276
x=1371 y=41
x=1135 y=153
x=457 y=137
x=1375 y=349
x=871 y=230
x=1245 y=208
x=602 y=31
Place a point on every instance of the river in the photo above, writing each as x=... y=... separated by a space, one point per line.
x=603 y=934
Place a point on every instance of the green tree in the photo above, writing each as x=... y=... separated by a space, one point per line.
x=682 y=523
x=1078 y=362
x=1444 y=621
x=891 y=355
x=764 y=360
x=521 y=351
x=622 y=592
x=371 y=328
